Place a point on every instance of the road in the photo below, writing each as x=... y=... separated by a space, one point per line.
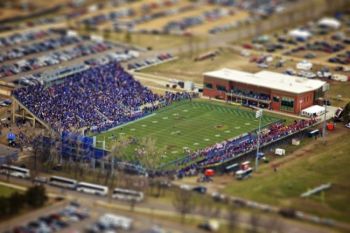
x=147 y=210
x=152 y=208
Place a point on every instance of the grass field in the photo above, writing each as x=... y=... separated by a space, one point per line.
x=190 y=124
x=6 y=191
x=340 y=89
x=313 y=164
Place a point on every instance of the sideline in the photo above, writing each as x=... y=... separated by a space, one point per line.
x=130 y=122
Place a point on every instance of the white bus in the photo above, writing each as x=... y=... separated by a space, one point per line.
x=62 y=182
x=15 y=171
x=127 y=195
x=92 y=189
x=243 y=174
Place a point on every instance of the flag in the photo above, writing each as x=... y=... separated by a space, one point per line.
x=258 y=113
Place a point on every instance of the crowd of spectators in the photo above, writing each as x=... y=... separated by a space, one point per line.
x=222 y=152
x=98 y=98
x=251 y=94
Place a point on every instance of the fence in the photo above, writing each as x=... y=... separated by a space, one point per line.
x=221 y=168
x=75 y=145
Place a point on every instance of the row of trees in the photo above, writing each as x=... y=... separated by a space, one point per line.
x=46 y=155
x=185 y=203
x=34 y=197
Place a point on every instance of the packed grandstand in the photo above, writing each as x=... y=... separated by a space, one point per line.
x=98 y=98
x=229 y=149
x=107 y=96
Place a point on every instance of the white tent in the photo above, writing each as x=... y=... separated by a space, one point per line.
x=299 y=34
x=315 y=110
x=329 y=22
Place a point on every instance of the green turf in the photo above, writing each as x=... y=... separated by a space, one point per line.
x=319 y=164
x=192 y=125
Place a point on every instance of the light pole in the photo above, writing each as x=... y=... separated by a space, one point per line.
x=324 y=120
x=258 y=114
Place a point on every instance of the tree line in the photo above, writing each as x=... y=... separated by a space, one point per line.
x=34 y=197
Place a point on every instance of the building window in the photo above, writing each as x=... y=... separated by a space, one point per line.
x=220 y=88
x=287 y=104
x=208 y=85
x=276 y=99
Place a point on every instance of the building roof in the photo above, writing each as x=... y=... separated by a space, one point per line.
x=268 y=79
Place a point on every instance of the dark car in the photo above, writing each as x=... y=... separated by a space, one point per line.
x=200 y=189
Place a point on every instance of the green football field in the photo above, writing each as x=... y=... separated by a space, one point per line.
x=190 y=125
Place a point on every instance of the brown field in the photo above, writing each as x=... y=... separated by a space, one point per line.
x=109 y=24
x=161 y=22
x=204 y=28
x=185 y=68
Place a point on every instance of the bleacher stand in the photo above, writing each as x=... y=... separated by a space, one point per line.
x=99 y=98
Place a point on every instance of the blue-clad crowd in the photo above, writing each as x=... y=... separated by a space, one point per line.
x=98 y=98
x=229 y=149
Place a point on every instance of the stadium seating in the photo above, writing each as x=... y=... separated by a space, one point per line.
x=98 y=98
x=222 y=152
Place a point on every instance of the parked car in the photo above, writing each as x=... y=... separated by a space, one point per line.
x=200 y=189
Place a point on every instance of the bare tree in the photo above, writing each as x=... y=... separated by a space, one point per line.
x=54 y=149
x=128 y=37
x=8 y=174
x=118 y=148
x=232 y=218
x=159 y=183
x=208 y=210
x=112 y=180
x=107 y=34
x=274 y=225
x=118 y=151
x=50 y=150
x=99 y=172
x=149 y=154
x=254 y=223
x=132 y=203
x=183 y=202
x=35 y=139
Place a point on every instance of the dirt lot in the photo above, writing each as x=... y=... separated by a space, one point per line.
x=161 y=22
x=203 y=29
x=185 y=68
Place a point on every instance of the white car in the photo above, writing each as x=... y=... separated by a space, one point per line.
x=347 y=125
x=186 y=187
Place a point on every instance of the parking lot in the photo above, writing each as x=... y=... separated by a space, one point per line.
x=326 y=47
x=28 y=57
x=76 y=216
x=169 y=17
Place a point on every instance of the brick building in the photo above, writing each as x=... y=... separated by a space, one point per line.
x=265 y=89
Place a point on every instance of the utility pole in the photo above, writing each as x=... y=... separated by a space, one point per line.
x=324 y=120
x=259 y=115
